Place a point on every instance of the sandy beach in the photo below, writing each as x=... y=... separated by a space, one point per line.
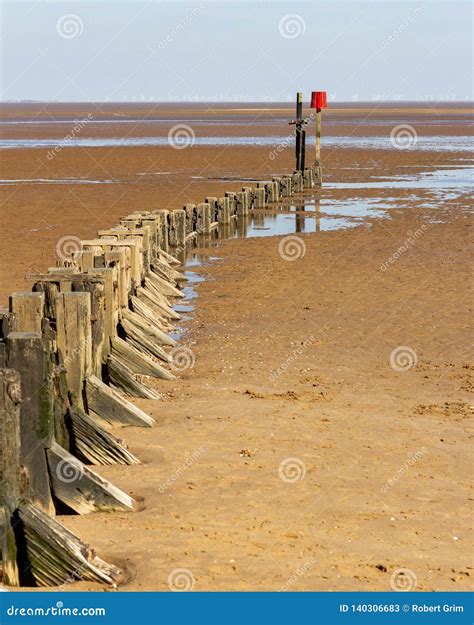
x=321 y=440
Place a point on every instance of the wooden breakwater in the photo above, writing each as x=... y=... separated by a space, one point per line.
x=88 y=336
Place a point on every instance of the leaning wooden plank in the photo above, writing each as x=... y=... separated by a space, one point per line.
x=56 y=556
x=140 y=341
x=94 y=443
x=111 y=406
x=168 y=258
x=164 y=286
x=163 y=268
x=149 y=329
x=10 y=399
x=150 y=286
x=138 y=362
x=141 y=308
x=121 y=377
x=149 y=297
x=80 y=488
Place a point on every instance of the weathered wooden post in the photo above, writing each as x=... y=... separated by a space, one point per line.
x=318 y=102
x=203 y=214
x=299 y=124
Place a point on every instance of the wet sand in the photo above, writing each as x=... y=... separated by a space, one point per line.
x=292 y=361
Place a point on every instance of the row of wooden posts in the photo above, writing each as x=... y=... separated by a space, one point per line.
x=89 y=335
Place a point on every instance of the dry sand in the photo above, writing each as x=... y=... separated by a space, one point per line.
x=385 y=454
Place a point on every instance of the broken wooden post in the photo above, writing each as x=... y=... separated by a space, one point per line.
x=27 y=309
x=297 y=182
x=10 y=489
x=232 y=197
x=29 y=354
x=286 y=186
x=177 y=228
x=191 y=218
x=259 y=198
x=223 y=210
x=242 y=205
x=74 y=340
x=308 y=182
x=212 y=201
x=203 y=214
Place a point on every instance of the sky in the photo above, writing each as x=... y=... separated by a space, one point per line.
x=140 y=51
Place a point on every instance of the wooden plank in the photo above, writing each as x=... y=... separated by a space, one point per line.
x=151 y=331
x=142 y=342
x=91 y=441
x=109 y=405
x=57 y=556
x=139 y=362
x=74 y=340
x=29 y=354
x=94 y=285
x=27 y=308
x=120 y=376
x=10 y=488
x=82 y=489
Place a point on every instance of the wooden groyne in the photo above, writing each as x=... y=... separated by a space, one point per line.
x=73 y=351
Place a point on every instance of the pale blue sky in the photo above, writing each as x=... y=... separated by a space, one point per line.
x=235 y=51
